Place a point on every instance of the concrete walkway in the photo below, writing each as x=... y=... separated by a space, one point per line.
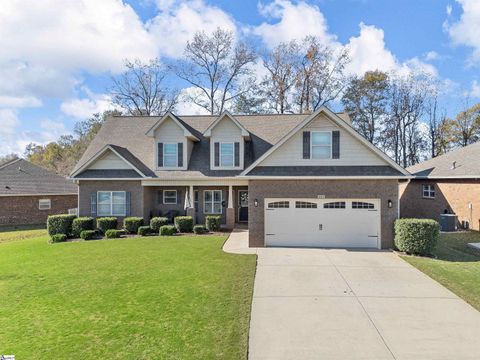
x=344 y=304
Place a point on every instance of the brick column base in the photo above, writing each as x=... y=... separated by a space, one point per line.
x=191 y=212
x=230 y=218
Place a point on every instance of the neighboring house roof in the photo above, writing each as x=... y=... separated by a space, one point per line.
x=460 y=163
x=20 y=177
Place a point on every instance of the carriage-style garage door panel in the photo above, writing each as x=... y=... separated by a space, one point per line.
x=353 y=223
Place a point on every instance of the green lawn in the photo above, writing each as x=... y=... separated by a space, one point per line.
x=139 y=298
x=456 y=266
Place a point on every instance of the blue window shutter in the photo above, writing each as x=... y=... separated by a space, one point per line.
x=93 y=204
x=336 y=144
x=160 y=155
x=180 y=154
x=127 y=203
x=216 y=155
x=237 y=154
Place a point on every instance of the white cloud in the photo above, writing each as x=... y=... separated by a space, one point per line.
x=19 y=101
x=466 y=31
x=9 y=121
x=449 y=9
x=177 y=22
x=368 y=51
x=186 y=107
x=295 y=21
x=474 y=90
x=431 y=55
x=83 y=108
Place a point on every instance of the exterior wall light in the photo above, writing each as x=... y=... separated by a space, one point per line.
x=390 y=204
x=255 y=203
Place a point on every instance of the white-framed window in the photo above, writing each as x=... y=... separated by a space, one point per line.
x=44 y=204
x=305 y=205
x=362 y=205
x=169 y=196
x=321 y=145
x=111 y=203
x=212 y=201
x=227 y=155
x=170 y=155
x=428 y=191
x=334 y=205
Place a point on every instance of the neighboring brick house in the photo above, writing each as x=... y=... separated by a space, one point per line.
x=449 y=183
x=297 y=180
x=29 y=193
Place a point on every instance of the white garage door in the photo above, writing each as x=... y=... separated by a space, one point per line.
x=352 y=223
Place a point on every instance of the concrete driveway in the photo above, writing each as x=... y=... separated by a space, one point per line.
x=341 y=304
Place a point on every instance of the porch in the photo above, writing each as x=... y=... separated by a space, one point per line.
x=197 y=200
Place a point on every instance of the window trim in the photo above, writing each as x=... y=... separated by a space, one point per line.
x=176 y=155
x=45 y=208
x=212 y=202
x=111 y=203
x=311 y=145
x=170 y=203
x=220 y=165
x=431 y=189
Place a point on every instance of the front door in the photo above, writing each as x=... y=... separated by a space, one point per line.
x=242 y=205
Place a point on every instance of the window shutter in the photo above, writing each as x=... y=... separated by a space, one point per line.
x=237 y=154
x=93 y=204
x=127 y=203
x=180 y=154
x=217 y=153
x=306 y=144
x=160 y=154
x=336 y=144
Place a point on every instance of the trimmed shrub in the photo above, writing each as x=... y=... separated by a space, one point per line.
x=157 y=222
x=212 y=222
x=113 y=233
x=107 y=223
x=184 y=224
x=60 y=224
x=82 y=223
x=131 y=224
x=59 y=238
x=144 y=230
x=167 y=230
x=416 y=236
x=88 y=234
x=199 y=229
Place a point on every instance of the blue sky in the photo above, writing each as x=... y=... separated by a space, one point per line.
x=58 y=57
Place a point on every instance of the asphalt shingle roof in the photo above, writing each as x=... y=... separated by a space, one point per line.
x=467 y=163
x=127 y=135
x=20 y=177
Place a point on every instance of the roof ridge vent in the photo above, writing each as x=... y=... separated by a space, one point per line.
x=454 y=165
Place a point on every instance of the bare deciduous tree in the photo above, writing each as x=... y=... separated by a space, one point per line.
x=141 y=89
x=321 y=74
x=366 y=101
x=465 y=128
x=217 y=67
x=281 y=64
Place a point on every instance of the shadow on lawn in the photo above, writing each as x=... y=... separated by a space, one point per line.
x=454 y=247
x=9 y=228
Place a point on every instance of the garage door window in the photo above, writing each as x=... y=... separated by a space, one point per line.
x=334 y=205
x=362 y=205
x=305 y=205
x=279 y=205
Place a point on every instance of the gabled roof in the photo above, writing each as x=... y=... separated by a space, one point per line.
x=208 y=131
x=123 y=154
x=462 y=163
x=20 y=177
x=180 y=123
x=342 y=124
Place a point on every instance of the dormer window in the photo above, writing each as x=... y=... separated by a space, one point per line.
x=227 y=155
x=321 y=145
x=169 y=155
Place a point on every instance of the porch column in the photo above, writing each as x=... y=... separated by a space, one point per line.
x=230 y=210
x=191 y=209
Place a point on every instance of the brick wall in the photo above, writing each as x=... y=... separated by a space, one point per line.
x=383 y=189
x=454 y=195
x=23 y=210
